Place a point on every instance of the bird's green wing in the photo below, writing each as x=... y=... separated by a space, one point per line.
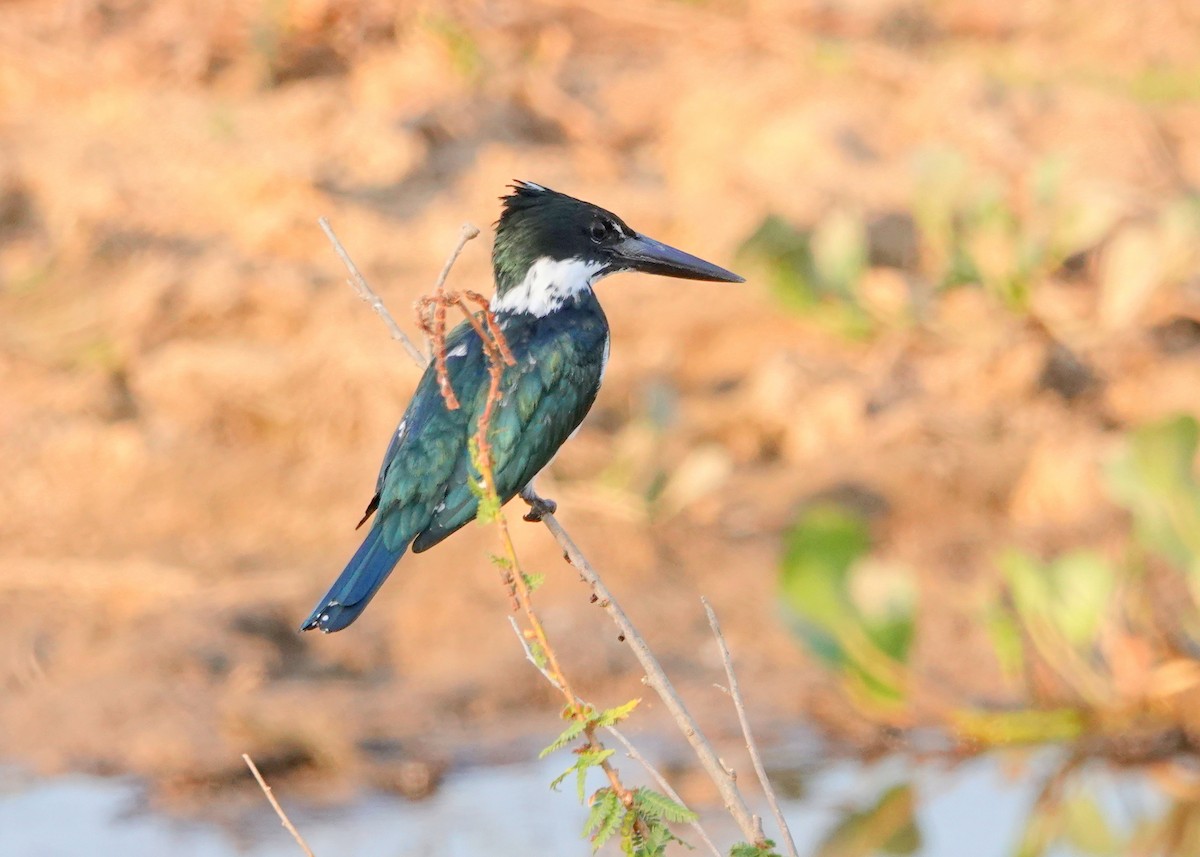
x=425 y=450
x=543 y=399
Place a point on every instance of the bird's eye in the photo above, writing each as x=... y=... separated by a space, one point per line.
x=599 y=230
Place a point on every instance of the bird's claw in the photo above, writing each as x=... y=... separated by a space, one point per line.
x=539 y=507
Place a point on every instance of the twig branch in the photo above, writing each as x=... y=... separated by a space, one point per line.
x=736 y=695
x=465 y=234
x=656 y=678
x=435 y=327
x=498 y=355
x=633 y=753
x=359 y=284
x=291 y=828
x=630 y=750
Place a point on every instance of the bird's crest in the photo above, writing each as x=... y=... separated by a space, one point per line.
x=526 y=195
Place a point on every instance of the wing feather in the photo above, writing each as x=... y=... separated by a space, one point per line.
x=544 y=398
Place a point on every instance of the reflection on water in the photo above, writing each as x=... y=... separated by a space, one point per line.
x=980 y=808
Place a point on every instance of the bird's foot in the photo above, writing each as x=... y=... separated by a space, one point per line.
x=539 y=507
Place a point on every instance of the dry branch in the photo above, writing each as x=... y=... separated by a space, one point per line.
x=751 y=747
x=630 y=750
x=359 y=283
x=656 y=678
x=284 y=820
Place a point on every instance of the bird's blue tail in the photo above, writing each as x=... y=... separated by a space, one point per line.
x=356 y=585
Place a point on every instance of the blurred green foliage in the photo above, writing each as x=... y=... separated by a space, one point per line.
x=1071 y=615
x=815 y=271
x=1089 y=650
x=977 y=227
x=1154 y=479
x=855 y=614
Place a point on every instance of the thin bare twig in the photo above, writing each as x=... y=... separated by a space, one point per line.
x=436 y=331
x=630 y=750
x=291 y=828
x=359 y=283
x=725 y=780
x=736 y=695
x=465 y=233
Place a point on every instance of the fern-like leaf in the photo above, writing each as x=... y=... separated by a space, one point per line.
x=653 y=805
x=604 y=818
x=628 y=834
x=557 y=781
x=655 y=841
x=588 y=759
x=574 y=730
x=612 y=716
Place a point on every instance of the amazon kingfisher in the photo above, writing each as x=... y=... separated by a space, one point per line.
x=549 y=252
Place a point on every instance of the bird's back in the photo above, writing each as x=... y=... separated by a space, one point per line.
x=425 y=481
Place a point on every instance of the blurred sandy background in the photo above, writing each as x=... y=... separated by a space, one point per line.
x=193 y=403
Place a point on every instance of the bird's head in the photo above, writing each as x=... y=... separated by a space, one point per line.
x=551 y=247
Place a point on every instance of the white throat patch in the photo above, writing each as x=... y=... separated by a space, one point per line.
x=548 y=285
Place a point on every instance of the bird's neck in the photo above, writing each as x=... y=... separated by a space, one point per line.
x=546 y=287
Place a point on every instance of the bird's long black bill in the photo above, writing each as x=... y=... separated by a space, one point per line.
x=653 y=257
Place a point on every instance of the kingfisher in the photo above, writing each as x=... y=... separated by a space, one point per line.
x=550 y=251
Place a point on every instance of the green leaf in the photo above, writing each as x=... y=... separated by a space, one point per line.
x=598 y=810
x=650 y=804
x=587 y=759
x=610 y=826
x=605 y=817
x=612 y=716
x=654 y=842
x=628 y=827
x=557 y=781
x=573 y=731
x=533 y=581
